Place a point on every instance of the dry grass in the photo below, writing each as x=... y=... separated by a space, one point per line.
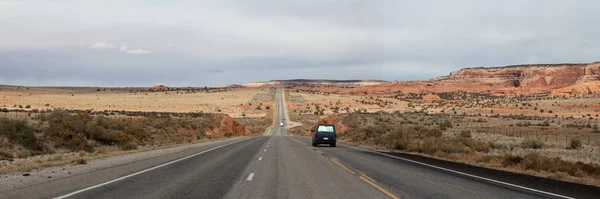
x=127 y=99
x=127 y=128
x=62 y=132
x=532 y=144
x=465 y=133
x=345 y=103
x=536 y=162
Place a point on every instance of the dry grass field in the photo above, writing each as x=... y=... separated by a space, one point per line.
x=308 y=102
x=131 y=99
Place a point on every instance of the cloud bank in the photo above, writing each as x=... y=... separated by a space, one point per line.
x=197 y=43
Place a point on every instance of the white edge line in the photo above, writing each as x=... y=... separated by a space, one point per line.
x=250 y=177
x=145 y=170
x=466 y=174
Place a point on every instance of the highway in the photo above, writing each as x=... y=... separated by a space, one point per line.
x=277 y=166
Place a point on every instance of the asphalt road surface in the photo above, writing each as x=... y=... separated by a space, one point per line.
x=276 y=166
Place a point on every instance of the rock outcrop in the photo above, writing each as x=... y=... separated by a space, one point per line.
x=556 y=79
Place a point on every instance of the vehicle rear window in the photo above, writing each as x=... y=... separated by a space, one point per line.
x=325 y=129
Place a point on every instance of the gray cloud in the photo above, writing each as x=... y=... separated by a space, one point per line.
x=221 y=42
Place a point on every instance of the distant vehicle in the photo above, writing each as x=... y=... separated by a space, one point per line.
x=281 y=124
x=324 y=134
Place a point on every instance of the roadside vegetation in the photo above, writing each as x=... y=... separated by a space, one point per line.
x=57 y=133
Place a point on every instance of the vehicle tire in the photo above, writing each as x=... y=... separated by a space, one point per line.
x=313 y=144
x=333 y=145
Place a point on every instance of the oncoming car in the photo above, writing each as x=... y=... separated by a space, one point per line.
x=324 y=134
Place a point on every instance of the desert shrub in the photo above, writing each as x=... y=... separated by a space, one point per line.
x=73 y=141
x=524 y=124
x=110 y=123
x=433 y=145
x=478 y=146
x=536 y=162
x=434 y=133
x=445 y=125
x=374 y=130
x=575 y=143
x=510 y=160
x=465 y=133
x=395 y=140
x=138 y=133
x=532 y=144
x=19 y=132
x=481 y=120
x=127 y=146
x=5 y=156
x=28 y=106
x=80 y=161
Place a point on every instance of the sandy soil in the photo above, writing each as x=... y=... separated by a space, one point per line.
x=227 y=102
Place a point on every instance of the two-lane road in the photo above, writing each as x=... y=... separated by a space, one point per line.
x=274 y=166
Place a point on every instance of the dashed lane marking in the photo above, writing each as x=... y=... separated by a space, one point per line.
x=250 y=177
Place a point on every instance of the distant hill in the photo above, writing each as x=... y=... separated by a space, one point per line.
x=316 y=82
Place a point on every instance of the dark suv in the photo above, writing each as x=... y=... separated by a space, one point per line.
x=324 y=134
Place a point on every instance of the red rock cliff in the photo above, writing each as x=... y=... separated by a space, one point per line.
x=558 y=79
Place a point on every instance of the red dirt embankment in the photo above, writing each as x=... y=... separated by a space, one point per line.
x=226 y=126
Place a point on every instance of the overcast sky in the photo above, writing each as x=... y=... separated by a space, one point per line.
x=197 y=43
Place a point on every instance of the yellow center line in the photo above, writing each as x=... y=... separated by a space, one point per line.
x=367 y=177
x=391 y=195
x=344 y=167
x=363 y=177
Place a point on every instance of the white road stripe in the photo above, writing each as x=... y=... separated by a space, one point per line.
x=250 y=177
x=466 y=174
x=146 y=170
x=260 y=158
